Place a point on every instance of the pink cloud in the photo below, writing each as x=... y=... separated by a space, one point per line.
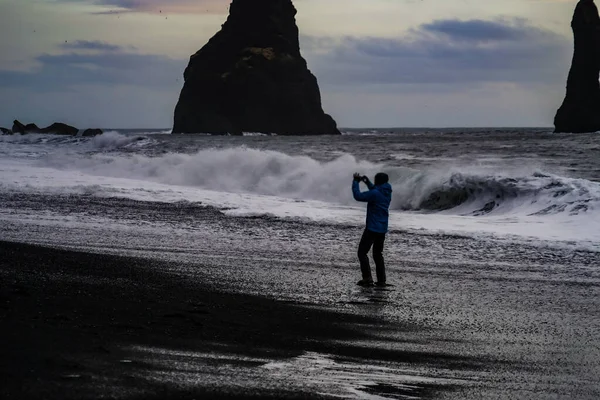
x=168 y=6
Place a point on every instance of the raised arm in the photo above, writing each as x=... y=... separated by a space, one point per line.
x=361 y=196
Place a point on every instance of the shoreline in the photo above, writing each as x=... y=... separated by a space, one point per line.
x=72 y=322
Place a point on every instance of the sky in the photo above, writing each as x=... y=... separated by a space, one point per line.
x=379 y=63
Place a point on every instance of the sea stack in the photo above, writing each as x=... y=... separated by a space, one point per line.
x=251 y=77
x=580 y=112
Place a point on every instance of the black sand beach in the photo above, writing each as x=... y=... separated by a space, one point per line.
x=70 y=320
x=263 y=310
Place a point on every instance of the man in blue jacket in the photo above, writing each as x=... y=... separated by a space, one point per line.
x=378 y=198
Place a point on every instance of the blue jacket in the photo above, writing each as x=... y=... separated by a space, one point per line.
x=379 y=198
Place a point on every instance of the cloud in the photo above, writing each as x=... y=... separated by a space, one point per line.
x=59 y=72
x=158 y=6
x=445 y=52
x=481 y=30
x=91 y=45
x=108 y=86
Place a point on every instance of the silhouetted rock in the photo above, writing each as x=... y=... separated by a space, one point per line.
x=251 y=77
x=580 y=112
x=59 y=128
x=56 y=128
x=92 y=132
x=5 y=131
x=33 y=128
x=18 y=127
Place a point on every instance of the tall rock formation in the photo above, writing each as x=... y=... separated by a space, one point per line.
x=580 y=112
x=251 y=77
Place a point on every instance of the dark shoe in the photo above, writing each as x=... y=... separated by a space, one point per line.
x=381 y=284
x=365 y=282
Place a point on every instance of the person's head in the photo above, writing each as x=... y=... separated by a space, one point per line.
x=381 y=178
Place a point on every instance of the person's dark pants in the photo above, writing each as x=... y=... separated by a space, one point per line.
x=376 y=240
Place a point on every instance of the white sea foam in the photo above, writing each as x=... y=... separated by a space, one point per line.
x=257 y=182
x=113 y=139
x=255 y=134
x=108 y=140
x=36 y=138
x=242 y=170
x=162 y=132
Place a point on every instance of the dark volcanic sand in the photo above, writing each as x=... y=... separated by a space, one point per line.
x=240 y=307
x=75 y=326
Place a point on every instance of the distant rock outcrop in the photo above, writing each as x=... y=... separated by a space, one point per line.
x=580 y=112
x=5 y=131
x=57 y=128
x=92 y=132
x=18 y=127
x=251 y=77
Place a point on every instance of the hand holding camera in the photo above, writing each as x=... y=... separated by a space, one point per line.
x=360 y=178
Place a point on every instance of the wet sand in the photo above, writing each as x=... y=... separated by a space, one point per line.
x=196 y=304
x=73 y=322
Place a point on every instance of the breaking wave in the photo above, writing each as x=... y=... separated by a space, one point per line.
x=37 y=138
x=109 y=139
x=535 y=194
x=113 y=139
x=244 y=170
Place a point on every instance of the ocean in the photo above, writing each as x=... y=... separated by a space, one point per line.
x=493 y=250
x=513 y=184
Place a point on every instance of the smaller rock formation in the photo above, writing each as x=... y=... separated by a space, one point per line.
x=5 y=131
x=59 y=128
x=56 y=128
x=92 y=132
x=580 y=111
x=18 y=127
